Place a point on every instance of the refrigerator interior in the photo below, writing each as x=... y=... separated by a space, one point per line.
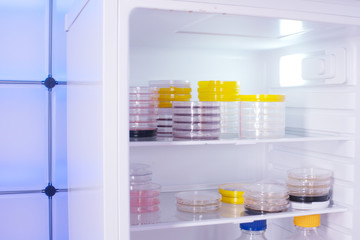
x=312 y=63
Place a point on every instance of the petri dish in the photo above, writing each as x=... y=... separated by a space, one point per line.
x=145 y=190
x=196 y=104
x=143 y=104
x=218 y=83
x=174 y=97
x=169 y=83
x=232 y=200
x=164 y=123
x=142 y=118
x=266 y=190
x=259 y=209
x=316 y=174
x=143 y=125
x=198 y=198
x=196 y=126
x=143 y=111
x=196 y=111
x=144 y=201
x=196 y=118
x=233 y=190
x=175 y=90
x=143 y=90
x=140 y=173
x=143 y=133
x=143 y=97
x=198 y=209
x=144 y=209
x=198 y=135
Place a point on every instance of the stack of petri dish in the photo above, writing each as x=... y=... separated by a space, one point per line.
x=262 y=116
x=143 y=107
x=198 y=201
x=232 y=193
x=309 y=188
x=169 y=91
x=265 y=198
x=144 y=195
x=227 y=93
x=196 y=120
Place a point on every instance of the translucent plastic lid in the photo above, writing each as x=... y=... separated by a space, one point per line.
x=143 y=90
x=266 y=190
x=174 y=97
x=233 y=190
x=196 y=105
x=139 y=169
x=198 y=209
x=310 y=174
x=174 y=90
x=219 y=97
x=145 y=190
x=212 y=83
x=198 y=198
x=262 y=98
x=169 y=83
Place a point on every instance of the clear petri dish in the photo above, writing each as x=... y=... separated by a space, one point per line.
x=259 y=209
x=308 y=191
x=142 y=118
x=143 y=104
x=198 y=209
x=197 y=135
x=144 y=209
x=170 y=83
x=198 y=198
x=196 y=126
x=164 y=123
x=196 y=105
x=145 y=190
x=140 y=173
x=143 y=90
x=309 y=182
x=143 y=97
x=143 y=125
x=265 y=201
x=165 y=130
x=196 y=111
x=144 y=201
x=175 y=90
x=143 y=111
x=266 y=190
x=196 y=118
x=262 y=111
x=233 y=190
x=316 y=174
x=278 y=119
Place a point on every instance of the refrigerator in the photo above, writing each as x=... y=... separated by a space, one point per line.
x=307 y=50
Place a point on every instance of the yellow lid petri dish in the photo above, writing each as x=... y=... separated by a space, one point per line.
x=174 y=90
x=218 y=90
x=165 y=104
x=213 y=83
x=232 y=190
x=174 y=97
x=218 y=98
x=262 y=98
x=231 y=200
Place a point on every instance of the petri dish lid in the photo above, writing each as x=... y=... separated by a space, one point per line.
x=233 y=190
x=175 y=90
x=198 y=198
x=196 y=126
x=169 y=83
x=143 y=90
x=145 y=190
x=262 y=98
x=217 y=83
x=198 y=209
x=310 y=174
x=183 y=104
x=219 y=97
x=139 y=169
x=232 y=200
x=174 y=97
x=266 y=190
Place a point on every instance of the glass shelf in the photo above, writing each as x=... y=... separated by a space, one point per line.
x=287 y=139
x=169 y=217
